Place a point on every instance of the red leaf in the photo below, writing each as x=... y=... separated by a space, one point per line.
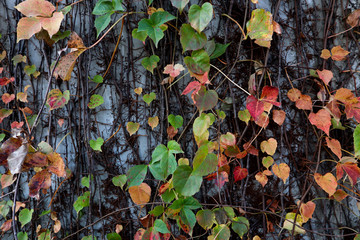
x=335 y=146
x=269 y=95
x=240 y=173
x=192 y=86
x=339 y=195
x=333 y=107
x=352 y=170
x=307 y=210
x=221 y=179
x=5 y=81
x=325 y=75
x=251 y=149
x=255 y=107
x=17 y=124
x=6 y=98
x=172 y=70
x=321 y=120
x=353 y=111
x=262 y=120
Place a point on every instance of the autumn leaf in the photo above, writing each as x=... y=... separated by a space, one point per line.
x=294 y=94
x=4 y=113
x=267 y=161
x=40 y=180
x=172 y=70
x=39 y=15
x=56 y=164
x=138 y=90
x=351 y=169
x=269 y=95
x=7 y=180
x=282 y=171
x=269 y=146
x=260 y=27
x=325 y=54
x=304 y=102
x=307 y=210
x=240 y=173
x=6 y=97
x=153 y=122
x=339 y=195
x=327 y=182
x=57 y=99
x=5 y=81
x=171 y=132
x=261 y=178
x=140 y=194
x=338 y=53
x=321 y=120
x=279 y=116
x=325 y=75
x=255 y=106
x=334 y=146
x=17 y=124
x=132 y=127
x=353 y=18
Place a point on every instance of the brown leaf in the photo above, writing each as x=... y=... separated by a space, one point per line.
x=334 y=146
x=294 y=94
x=334 y=109
x=327 y=182
x=339 y=195
x=37 y=159
x=57 y=226
x=7 y=180
x=279 y=116
x=75 y=41
x=40 y=180
x=262 y=120
x=66 y=65
x=353 y=18
x=140 y=194
x=338 y=53
x=6 y=226
x=57 y=165
x=277 y=27
x=261 y=178
x=304 y=102
x=171 y=132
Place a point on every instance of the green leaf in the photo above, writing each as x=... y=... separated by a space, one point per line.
x=98 y=79
x=357 y=141
x=136 y=175
x=113 y=236
x=117 y=5
x=199 y=62
x=22 y=236
x=168 y=195
x=179 y=4
x=210 y=47
x=56 y=99
x=229 y=212
x=201 y=124
x=260 y=27
x=200 y=17
x=150 y=2
x=190 y=39
x=160 y=226
x=244 y=115
x=139 y=35
x=82 y=202
x=149 y=63
x=119 y=180
x=65 y=11
x=188 y=217
x=175 y=121
x=148 y=98
x=85 y=181
x=45 y=235
x=102 y=22
x=219 y=50
x=205 y=218
x=2 y=136
x=221 y=232
x=240 y=225
x=205 y=99
x=221 y=114
x=18 y=58
x=44 y=147
x=90 y=237
x=132 y=127
x=174 y=147
x=103 y=7
x=95 y=101
x=25 y=216
x=337 y=124
x=204 y=162
x=96 y=144
x=184 y=182
x=189 y=202
x=157 y=211
x=159 y=153
x=61 y=35
x=43 y=213
x=152 y=26
x=30 y=69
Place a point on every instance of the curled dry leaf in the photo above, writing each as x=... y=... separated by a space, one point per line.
x=41 y=180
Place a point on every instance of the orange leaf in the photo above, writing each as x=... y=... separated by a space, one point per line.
x=262 y=120
x=140 y=194
x=339 y=195
x=338 y=53
x=325 y=75
x=279 y=116
x=304 y=102
x=6 y=226
x=153 y=122
x=294 y=94
x=334 y=146
x=7 y=180
x=281 y=171
x=344 y=95
x=307 y=210
x=40 y=180
x=57 y=165
x=327 y=182
x=321 y=120
x=261 y=178
x=325 y=54
x=6 y=97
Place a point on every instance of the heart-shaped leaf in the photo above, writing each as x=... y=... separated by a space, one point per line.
x=200 y=17
x=132 y=127
x=205 y=99
x=96 y=144
x=148 y=98
x=199 y=62
x=140 y=194
x=179 y=4
x=149 y=63
x=282 y=171
x=190 y=39
x=57 y=99
x=327 y=182
x=175 y=121
x=153 y=122
x=95 y=101
x=269 y=146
